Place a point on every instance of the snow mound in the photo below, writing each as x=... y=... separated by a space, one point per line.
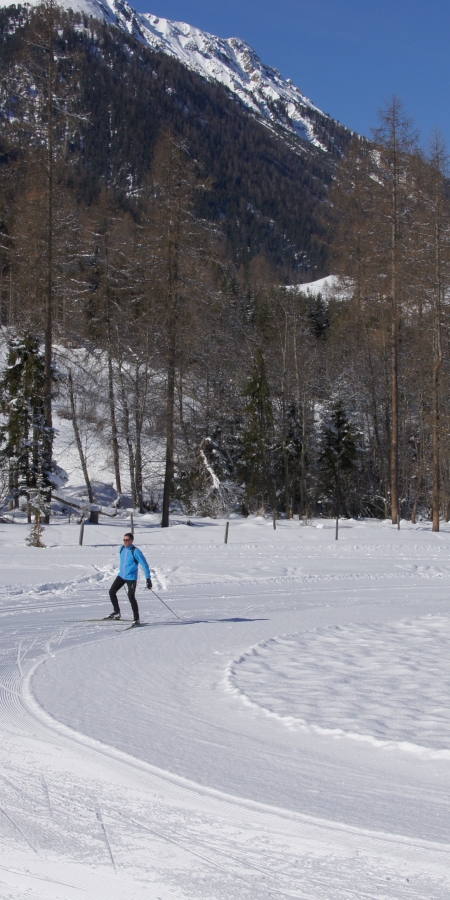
x=330 y=286
x=389 y=682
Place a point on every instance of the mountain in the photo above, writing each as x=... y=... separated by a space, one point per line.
x=270 y=151
x=234 y=64
x=230 y=62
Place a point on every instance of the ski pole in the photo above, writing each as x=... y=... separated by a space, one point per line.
x=166 y=605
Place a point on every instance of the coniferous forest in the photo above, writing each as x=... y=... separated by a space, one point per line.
x=152 y=239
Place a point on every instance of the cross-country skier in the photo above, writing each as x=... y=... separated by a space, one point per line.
x=130 y=558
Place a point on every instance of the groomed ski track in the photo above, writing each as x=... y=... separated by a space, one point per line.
x=80 y=818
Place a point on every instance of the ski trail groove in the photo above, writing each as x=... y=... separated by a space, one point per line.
x=98 y=813
x=206 y=802
x=240 y=847
x=18 y=828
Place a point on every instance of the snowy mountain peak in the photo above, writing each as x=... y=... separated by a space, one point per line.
x=231 y=62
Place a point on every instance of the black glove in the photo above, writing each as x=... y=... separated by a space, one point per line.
x=149 y=583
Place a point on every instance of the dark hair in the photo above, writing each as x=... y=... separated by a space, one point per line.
x=128 y=534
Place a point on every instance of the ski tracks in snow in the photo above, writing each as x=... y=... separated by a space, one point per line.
x=80 y=819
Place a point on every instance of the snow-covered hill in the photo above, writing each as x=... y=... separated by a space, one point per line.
x=231 y=62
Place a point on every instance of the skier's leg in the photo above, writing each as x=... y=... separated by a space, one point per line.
x=131 y=588
x=116 y=585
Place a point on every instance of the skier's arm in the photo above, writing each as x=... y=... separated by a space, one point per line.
x=142 y=560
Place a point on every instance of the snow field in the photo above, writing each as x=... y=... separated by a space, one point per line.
x=289 y=738
x=389 y=682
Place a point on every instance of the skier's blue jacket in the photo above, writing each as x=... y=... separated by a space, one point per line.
x=130 y=557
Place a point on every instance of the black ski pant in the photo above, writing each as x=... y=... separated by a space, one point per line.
x=131 y=588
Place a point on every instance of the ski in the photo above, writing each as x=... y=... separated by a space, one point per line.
x=141 y=624
x=106 y=621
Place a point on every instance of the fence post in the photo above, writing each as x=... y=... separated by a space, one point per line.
x=80 y=539
x=226 y=532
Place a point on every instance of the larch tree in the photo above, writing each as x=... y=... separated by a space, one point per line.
x=392 y=209
x=433 y=239
x=373 y=202
x=179 y=253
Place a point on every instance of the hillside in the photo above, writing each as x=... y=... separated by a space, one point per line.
x=233 y=63
x=269 y=166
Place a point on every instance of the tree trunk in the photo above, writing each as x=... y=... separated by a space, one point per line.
x=170 y=443
x=111 y=398
x=11 y=300
x=78 y=442
x=128 y=440
x=287 y=486
x=436 y=447
x=394 y=364
x=336 y=534
x=438 y=360
x=138 y=454
x=375 y=419
x=301 y=405
x=394 y=425
x=112 y=412
x=48 y=327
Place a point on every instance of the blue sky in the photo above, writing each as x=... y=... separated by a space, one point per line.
x=348 y=56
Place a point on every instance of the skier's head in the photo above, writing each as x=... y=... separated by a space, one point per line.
x=128 y=538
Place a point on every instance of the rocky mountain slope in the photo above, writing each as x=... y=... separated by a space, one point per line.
x=269 y=151
x=231 y=62
x=234 y=64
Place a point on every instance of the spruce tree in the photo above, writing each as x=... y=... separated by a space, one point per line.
x=24 y=431
x=338 y=453
x=257 y=436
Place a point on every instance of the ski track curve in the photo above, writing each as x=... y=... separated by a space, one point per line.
x=80 y=819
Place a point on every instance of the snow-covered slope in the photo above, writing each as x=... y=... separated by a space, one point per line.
x=232 y=62
x=330 y=286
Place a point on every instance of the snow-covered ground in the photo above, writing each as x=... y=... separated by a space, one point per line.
x=330 y=286
x=288 y=738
